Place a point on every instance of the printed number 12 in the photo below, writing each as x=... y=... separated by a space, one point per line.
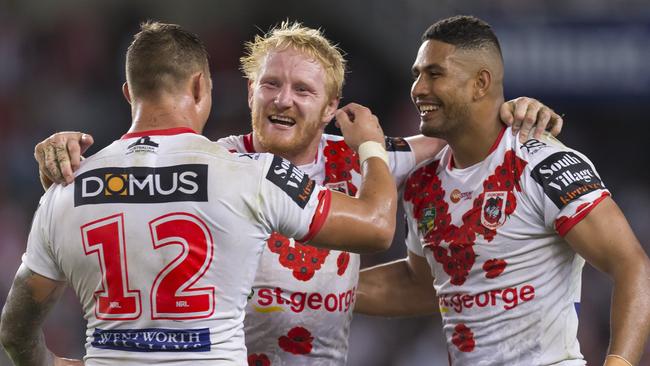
x=172 y=293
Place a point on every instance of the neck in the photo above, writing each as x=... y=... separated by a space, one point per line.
x=472 y=143
x=162 y=114
x=300 y=157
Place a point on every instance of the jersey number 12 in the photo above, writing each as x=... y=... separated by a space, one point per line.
x=172 y=294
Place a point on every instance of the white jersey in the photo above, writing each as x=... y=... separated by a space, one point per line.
x=302 y=300
x=161 y=235
x=508 y=284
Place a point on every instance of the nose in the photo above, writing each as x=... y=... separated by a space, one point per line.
x=420 y=87
x=283 y=99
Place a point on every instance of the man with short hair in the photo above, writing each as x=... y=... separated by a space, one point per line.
x=162 y=231
x=302 y=299
x=500 y=227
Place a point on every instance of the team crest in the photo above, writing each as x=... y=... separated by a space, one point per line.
x=493 y=211
x=427 y=223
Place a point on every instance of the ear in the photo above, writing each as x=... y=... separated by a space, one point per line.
x=126 y=92
x=199 y=86
x=330 y=110
x=482 y=83
x=250 y=93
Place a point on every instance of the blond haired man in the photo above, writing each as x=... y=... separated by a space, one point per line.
x=302 y=299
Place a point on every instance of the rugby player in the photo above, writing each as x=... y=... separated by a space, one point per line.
x=498 y=229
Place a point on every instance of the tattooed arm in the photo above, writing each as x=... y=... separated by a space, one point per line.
x=29 y=301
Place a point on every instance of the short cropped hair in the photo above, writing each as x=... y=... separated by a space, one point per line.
x=162 y=56
x=306 y=40
x=465 y=32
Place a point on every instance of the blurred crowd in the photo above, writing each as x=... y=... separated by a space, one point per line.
x=61 y=68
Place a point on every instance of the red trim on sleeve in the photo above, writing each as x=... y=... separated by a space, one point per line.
x=248 y=143
x=323 y=210
x=564 y=224
x=164 y=132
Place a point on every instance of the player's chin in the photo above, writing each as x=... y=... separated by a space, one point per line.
x=281 y=143
x=430 y=130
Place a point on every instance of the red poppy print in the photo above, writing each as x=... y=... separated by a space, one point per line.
x=494 y=267
x=258 y=359
x=342 y=262
x=463 y=338
x=452 y=246
x=298 y=341
x=302 y=260
x=340 y=162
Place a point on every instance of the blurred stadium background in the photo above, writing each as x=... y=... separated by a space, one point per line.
x=61 y=68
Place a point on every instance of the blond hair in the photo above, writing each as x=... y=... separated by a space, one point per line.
x=306 y=40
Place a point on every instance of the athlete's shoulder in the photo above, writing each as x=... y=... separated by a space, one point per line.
x=562 y=172
x=534 y=151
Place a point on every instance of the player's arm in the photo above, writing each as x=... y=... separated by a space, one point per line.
x=400 y=288
x=365 y=223
x=30 y=299
x=523 y=113
x=605 y=239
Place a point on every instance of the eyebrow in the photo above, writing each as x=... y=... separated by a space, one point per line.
x=428 y=68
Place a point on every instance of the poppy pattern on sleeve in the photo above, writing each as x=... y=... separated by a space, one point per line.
x=340 y=162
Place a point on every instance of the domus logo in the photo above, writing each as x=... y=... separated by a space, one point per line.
x=142 y=185
x=115 y=184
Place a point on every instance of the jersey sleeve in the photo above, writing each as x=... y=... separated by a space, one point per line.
x=412 y=239
x=400 y=157
x=39 y=256
x=567 y=188
x=292 y=203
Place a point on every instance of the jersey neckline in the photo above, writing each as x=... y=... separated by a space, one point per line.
x=250 y=147
x=452 y=164
x=162 y=132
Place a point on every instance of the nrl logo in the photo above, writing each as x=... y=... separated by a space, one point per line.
x=427 y=223
x=493 y=210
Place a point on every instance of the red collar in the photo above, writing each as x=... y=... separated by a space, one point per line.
x=248 y=143
x=164 y=132
x=452 y=165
